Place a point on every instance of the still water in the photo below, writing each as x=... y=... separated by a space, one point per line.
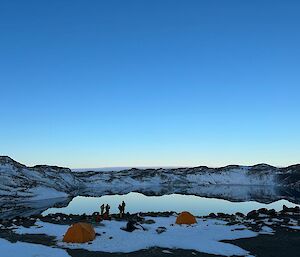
x=136 y=202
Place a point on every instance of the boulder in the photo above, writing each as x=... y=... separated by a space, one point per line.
x=252 y=214
x=272 y=213
x=160 y=230
x=239 y=214
x=262 y=211
x=212 y=215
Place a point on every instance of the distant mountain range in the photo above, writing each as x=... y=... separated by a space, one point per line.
x=22 y=183
x=123 y=168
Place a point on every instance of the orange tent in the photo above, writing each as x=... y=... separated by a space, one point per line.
x=80 y=233
x=186 y=218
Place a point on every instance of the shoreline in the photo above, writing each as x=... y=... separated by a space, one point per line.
x=282 y=227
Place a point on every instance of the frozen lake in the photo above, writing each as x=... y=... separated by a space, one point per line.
x=136 y=202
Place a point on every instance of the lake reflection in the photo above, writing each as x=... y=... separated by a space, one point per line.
x=136 y=202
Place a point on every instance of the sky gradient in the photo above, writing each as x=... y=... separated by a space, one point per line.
x=150 y=83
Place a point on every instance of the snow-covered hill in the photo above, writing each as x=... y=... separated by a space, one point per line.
x=39 y=182
x=34 y=183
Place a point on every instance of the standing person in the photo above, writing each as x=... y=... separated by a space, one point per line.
x=102 y=209
x=120 y=209
x=107 y=207
x=123 y=207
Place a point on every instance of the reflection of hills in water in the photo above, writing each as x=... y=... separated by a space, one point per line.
x=11 y=209
x=234 y=193
x=262 y=194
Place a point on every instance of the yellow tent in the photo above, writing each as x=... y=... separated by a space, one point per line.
x=186 y=218
x=80 y=233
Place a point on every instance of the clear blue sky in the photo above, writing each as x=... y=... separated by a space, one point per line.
x=154 y=83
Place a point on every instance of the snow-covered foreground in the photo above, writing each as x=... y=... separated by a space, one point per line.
x=29 y=250
x=205 y=236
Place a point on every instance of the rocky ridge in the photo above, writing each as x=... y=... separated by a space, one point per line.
x=18 y=181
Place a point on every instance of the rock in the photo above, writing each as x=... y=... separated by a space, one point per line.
x=252 y=214
x=212 y=215
x=160 y=230
x=293 y=210
x=224 y=215
x=284 y=208
x=130 y=226
x=263 y=211
x=272 y=213
x=149 y=222
x=239 y=214
x=286 y=220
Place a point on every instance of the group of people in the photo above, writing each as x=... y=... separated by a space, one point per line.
x=104 y=210
x=104 y=215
